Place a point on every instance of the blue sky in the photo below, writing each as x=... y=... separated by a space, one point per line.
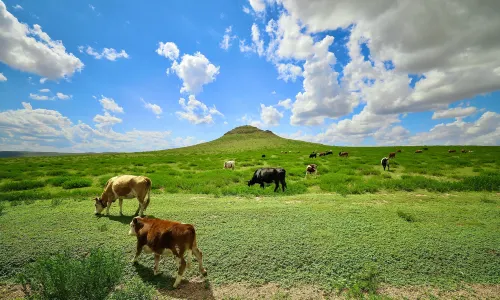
x=108 y=87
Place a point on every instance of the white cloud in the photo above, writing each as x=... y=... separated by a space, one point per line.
x=195 y=71
x=109 y=104
x=32 y=50
x=156 y=109
x=257 y=5
x=107 y=53
x=289 y=72
x=257 y=45
x=42 y=80
x=44 y=91
x=246 y=10
x=63 y=96
x=92 y=7
x=269 y=115
x=40 y=97
x=225 y=123
x=457 y=112
x=168 y=50
x=49 y=130
x=227 y=38
x=286 y=104
x=247 y=120
x=273 y=92
x=2 y=77
x=17 y=7
x=196 y=112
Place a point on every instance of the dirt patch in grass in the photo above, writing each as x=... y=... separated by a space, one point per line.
x=475 y=291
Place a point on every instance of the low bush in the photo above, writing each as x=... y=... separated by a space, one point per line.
x=134 y=289
x=406 y=216
x=58 y=181
x=21 y=185
x=76 y=183
x=64 y=276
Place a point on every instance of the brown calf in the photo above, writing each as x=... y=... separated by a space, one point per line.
x=164 y=237
x=392 y=155
x=312 y=169
x=346 y=154
x=322 y=154
x=450 y=151
x=124 y=187
x=399 y=150
x=418 y=151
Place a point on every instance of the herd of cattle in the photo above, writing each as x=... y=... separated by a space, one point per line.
x=165 y=237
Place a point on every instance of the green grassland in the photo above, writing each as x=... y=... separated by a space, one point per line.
x=433 y=219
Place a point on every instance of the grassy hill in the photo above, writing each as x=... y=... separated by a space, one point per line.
x=199 y=169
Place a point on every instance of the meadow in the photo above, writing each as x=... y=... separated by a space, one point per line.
x=431 y=221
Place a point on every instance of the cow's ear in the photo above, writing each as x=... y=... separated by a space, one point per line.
x=134 y=220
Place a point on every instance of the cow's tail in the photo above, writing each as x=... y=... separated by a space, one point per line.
x=148 y=192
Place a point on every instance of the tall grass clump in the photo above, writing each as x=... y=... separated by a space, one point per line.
x=134 y=289
x=406 y=216
x=58 y=181
x=57 y=173
x=64 y=276
x=76 y=183
x=21 y=185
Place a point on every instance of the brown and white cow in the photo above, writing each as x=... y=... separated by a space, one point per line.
x=418 y=151
x=399 y=150
x=452 y=150
x=165 y=237
x=342 y=153
x=392 y=155
x=312 y=169
x=124 y=187
x=464 y=151
x=230 y=164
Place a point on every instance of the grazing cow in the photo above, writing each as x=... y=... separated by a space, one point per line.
x=426 y=148
x=452 y=150
x=392 y=155
x=263 y=155
x=418 y=151
x=342 y=153
x=470 y=151
x=164 y=237
x=312 y=169
x=385 y=163
x=322 y=154
x=230 y=164
x=464 y=151
x=269 y=175
x=312 y=155
x=124 y=187
x=399 y=150
x=329 y=152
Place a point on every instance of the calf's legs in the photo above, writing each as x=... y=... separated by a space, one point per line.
x=120 y=201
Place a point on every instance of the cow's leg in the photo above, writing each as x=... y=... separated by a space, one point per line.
x=157 y=263
x=120 y=201
x=199 y=257
x=137 y=252
x=141 y=209
x=283 y=184
x=262 y=185
x=277 y=185
x=138 y=208
x=182 y=266
x=108 y=207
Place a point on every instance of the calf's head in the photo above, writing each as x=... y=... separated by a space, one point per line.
x=134 y=226
x=100 y=205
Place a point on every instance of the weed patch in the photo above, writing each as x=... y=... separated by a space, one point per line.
x=76 y=183
x=134 y=289
x=406 y=216
x=21 y=185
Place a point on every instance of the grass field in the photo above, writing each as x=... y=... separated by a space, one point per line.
x=433 y=220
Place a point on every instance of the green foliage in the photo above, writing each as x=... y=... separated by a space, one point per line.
x=57 y=173
x=56 y=202
x=406 y=216
x=366 y=281
x=63 y=276
x=2 y=208
x=76 y=183
x=21 y=185
x=134 y=289
x=58 y=181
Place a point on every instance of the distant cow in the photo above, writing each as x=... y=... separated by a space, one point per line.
x=426 y=148
x=164 y=237
x=269 y=175
x=342 y=153
x=418 y=151
x=312 y=155
x=385 y=163
x=322 y=154
x=399 y=150
x=263 y=155
x=124 y=187
x=392 y=155
x=464 y=151
x=230 y=164
x=312 y=169
x=329 y=152
x=452 y=150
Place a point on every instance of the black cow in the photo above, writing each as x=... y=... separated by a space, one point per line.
x=385 y=163
x=312 y=155
x=263 y=155
x=329 y=152
x=269 y=175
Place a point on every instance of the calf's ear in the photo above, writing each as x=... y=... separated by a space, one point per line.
x=134 y=220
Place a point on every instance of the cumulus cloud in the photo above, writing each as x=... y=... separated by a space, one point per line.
x=286 y=104
x=227 y=38
x=156 y=109
x=246 y=10
x=196 y=112
x=63 y=96
x=49 y=130
x=288 y=72
x=109 y=104
x=195 y=71
x=2 y=77
x=40 y=97
x=457 y=112
x=168 y=50
x=44 y=91
x=107 y=53
x=257 y=45
x=257 y=5
x=269 y=115
x=32 y=50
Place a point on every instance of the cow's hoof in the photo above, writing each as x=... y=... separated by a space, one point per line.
x=205 y=274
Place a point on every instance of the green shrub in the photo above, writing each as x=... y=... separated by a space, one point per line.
x=21 y=185
x=64 y=276
x=58 y=181
x=134 y=289
x=25 y=195
x=366 y=281
x=76 y=183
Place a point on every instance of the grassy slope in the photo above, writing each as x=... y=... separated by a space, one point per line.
x=308 y=239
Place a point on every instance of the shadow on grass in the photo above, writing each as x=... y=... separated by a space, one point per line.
x=123 y=219
x=199 y=288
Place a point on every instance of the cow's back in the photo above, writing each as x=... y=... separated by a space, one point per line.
x=124 y=185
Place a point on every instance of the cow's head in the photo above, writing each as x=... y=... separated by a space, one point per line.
x=99 y=205
x=251 y=182
x=135 y=226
